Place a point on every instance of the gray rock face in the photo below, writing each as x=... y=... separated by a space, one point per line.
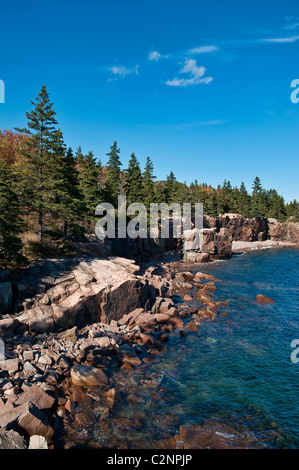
x=11 y=440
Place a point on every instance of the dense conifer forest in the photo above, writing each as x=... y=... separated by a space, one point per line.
x=48 y=192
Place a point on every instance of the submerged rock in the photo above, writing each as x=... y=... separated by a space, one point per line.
x=211 y=435
x=264 y=300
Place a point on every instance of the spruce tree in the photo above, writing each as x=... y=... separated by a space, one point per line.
x=160 y=195
x=133 y=181
x=148 y=183
x=79 y=157
x=212 y=204
x=243 y=201
x=170 y=187
x=258 y=209
x=113 y=180
x=42 y=158
x=73 y=207
x=11 y=223
x=89 y=182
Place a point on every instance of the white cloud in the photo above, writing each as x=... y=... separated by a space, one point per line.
x=196 y=75
x=210 y=122
x=203 y=50
x=155 y=56
x=286 y=40
x=122 y=71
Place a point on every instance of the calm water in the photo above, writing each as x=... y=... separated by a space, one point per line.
x=236 y=369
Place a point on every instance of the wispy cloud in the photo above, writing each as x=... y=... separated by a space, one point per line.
x=292 y=26
x=121 y=71
x=291 y=23
x=203 y=50
x=209 y=122
x=195 y=75
x=285 y=40
x=155 y=56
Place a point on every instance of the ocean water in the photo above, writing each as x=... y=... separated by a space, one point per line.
x=237 y=369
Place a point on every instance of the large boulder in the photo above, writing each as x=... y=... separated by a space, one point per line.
x=27 y=418
x=88 y=376
x=69 y=293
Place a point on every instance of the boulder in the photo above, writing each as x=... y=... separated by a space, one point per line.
x=69 y=335
x=37 y=442
x=11 y=440
x=10 y=365
x=37 y=396
x=88 y=376
x=26 y=417
x=264 y=300
x=127 y=355
x=78 y=292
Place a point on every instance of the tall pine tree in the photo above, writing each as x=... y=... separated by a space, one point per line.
x=89 y=182
x=148 y=183
x=44 y=156
x=133 y=181
x=113 y=180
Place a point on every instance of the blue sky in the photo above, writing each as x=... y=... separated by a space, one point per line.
x=201 y=87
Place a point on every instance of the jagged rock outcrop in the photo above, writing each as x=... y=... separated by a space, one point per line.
x=239 y=227
x=287 y=231
x=206 y=244
x=61 y=294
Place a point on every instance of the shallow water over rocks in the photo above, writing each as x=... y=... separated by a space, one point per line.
x=233 y=377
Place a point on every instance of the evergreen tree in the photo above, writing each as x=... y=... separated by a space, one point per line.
x=73 y=207
x=292 y=209
x=212 y=204
x=148 y=183
x=133 y=181
x=160 y=195
x=113 y=181
x=170 y=187
x=43 y=158
x=243 y=201
x=258 y=205
x=10 y=218
x=276 y=206
x=79 y=157
x=89 y=182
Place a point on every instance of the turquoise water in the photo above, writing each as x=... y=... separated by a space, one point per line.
x=239 y=368
x=236 y=369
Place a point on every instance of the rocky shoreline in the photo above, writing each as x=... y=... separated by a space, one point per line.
x=243 y=246
x=56 y=384
x=79 y=324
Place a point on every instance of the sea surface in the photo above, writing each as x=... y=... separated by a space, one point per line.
x=237 y=369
